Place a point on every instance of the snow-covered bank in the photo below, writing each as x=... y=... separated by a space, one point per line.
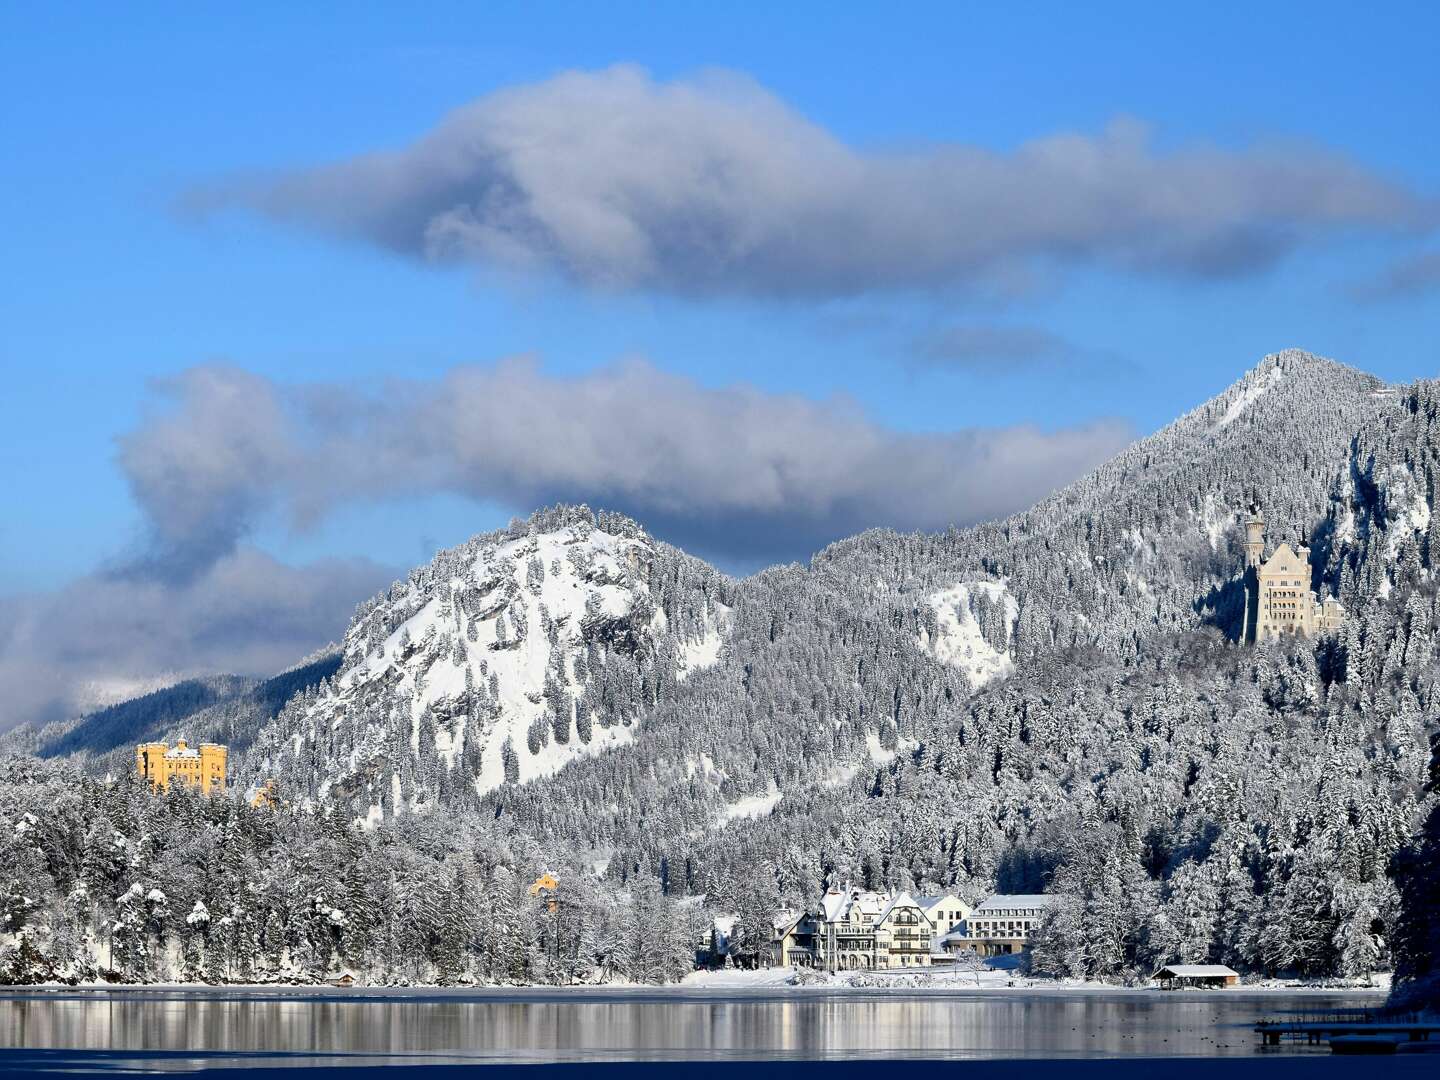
x=732 y=979
x=986 y=979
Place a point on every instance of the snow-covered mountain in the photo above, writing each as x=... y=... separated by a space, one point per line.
x=501 y=661
x=1057 y=701
x=568 y=638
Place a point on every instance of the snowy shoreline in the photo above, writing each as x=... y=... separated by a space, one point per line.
x=778 y=982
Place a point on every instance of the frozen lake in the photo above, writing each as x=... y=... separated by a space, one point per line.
x=290 y=1027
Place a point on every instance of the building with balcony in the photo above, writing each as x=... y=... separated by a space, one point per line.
x=1003 y=923
x=859 y=930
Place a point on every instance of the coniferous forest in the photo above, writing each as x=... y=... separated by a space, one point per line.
x=1055 y=702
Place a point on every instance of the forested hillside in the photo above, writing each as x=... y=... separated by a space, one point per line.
x=1178 y=786
x=108 y=881
x=1052 y=702
x=225 y=709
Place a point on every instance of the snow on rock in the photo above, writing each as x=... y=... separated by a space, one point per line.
x=1250 y=392
x=969 y=619
x=502 y=661
x=1215 y=520
x=1407 y=507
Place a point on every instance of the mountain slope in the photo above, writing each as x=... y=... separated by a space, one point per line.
x=1055 y=701
x=830 y=669
x=1137 y=757
x=501 y=661
x=883 y=636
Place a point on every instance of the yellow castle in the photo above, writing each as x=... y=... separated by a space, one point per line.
x=268 y=797
x=547 y=887
x=203 y=768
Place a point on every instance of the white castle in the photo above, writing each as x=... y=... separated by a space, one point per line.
x=1278 y=597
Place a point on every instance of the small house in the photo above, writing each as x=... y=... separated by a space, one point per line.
x=1196 y=977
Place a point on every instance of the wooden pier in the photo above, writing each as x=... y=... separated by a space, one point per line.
x=1357 y=1029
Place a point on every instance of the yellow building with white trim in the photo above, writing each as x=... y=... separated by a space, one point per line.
x=162 y=765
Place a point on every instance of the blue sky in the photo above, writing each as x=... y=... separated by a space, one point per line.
x=117 y=117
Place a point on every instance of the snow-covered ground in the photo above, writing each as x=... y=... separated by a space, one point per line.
x=1250 y=394
x=753 y=806
x=958 y=640
x=990 y=978
x=784 y=979
x=704 y=652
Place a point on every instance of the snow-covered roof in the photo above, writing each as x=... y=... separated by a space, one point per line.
x=902 y=899
x=929 y=903
x=784 y=920
x=834 y=903
x=870 y=903
x=1197 y=971
x=1007 y=901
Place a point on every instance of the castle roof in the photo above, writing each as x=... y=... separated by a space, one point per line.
x=1284 y=558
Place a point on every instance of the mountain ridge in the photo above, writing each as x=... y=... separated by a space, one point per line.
x=1054 y=702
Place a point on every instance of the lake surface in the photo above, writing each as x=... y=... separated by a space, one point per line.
x=181 y=1029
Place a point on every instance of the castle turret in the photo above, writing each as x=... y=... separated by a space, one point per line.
x=1254 y=538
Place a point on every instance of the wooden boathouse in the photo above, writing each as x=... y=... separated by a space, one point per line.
x=1196 y=977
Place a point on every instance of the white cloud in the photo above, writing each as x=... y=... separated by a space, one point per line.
x=712 y=185
x=243 y=612
x=735 y=473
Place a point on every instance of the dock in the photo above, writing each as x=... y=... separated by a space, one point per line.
x=1358 y=1030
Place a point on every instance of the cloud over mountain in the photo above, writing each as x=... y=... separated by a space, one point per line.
x=734 y=473
x=109 y=634
x=712 y=185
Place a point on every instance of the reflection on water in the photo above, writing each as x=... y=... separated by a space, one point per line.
x=595 y=1025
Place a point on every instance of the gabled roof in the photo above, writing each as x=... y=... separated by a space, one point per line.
x=1283 y=555
x=834 y=904
x=785 y=921
x=901 y=899
x=1196 y=971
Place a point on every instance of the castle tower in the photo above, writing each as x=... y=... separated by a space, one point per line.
x=1278 y=598
x=1254 y=538
x=150 y=764
x=212 y=767
x=1254 y=557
